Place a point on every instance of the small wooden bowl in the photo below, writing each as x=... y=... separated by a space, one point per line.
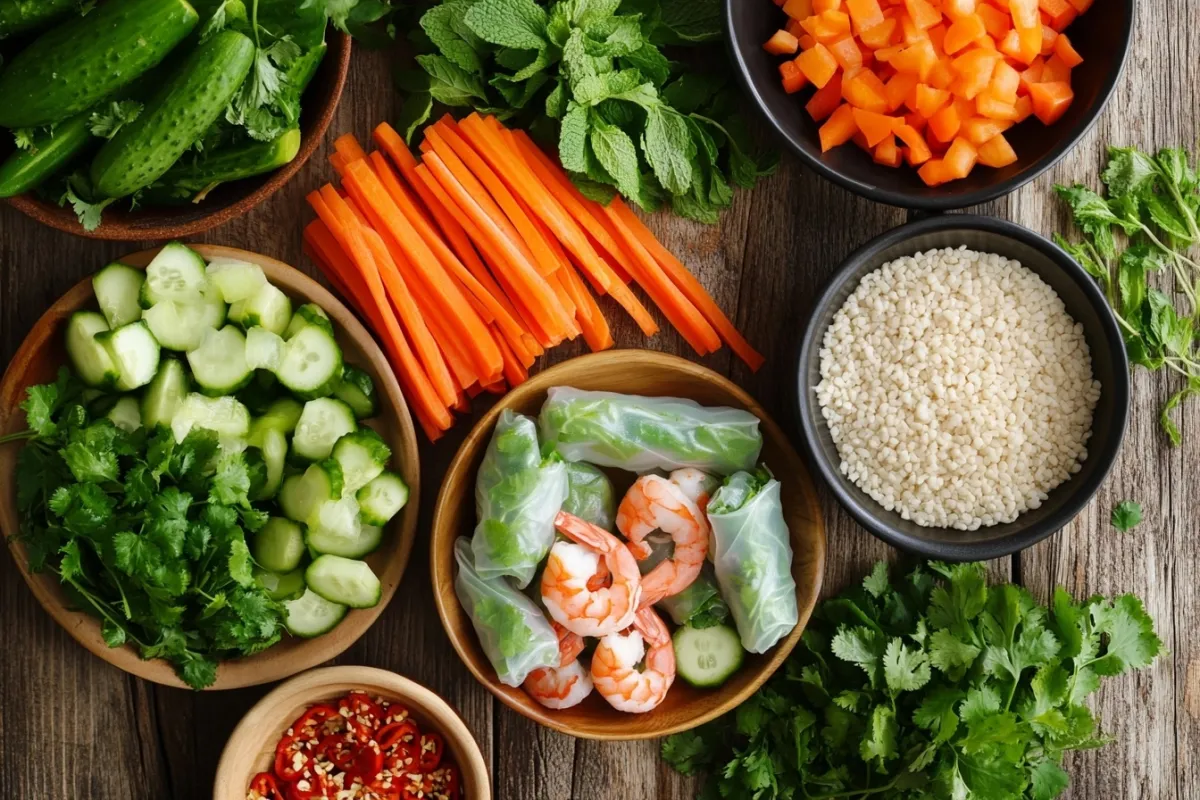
x=251 y=748
x=653 y=374
x=227 y=201
x=37 y=361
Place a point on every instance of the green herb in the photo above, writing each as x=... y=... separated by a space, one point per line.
x=145 y=533
x=23 y=138
x=105 y=123
x=88 y=213
x=1153 y=202
x=592 y=75
x=1126 y=516
x=933 y=685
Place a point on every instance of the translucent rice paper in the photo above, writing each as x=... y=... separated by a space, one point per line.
x=753 y=559
x=700 y=604
x=590 y=495
x=514 y=634
x=644 y=433
x=517 y=495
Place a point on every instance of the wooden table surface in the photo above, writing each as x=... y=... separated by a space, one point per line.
x=73 y=727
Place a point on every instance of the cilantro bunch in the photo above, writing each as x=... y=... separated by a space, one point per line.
x=144 y=533
x=933 y=685
x=1154 y=202
x=593 y=76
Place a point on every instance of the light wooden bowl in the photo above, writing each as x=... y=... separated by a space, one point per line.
x=38 y=360
x=251 y=748
x=653 y=374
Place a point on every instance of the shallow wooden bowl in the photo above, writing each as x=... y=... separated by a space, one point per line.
x=38 y=360
x=653 y=374
x=227 y=201
x=251 y=748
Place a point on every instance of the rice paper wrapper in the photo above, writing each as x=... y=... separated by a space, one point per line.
x=640 y=434
x=514 y=634
x=700 y=604
x=517 y=495
x=753 y=559
x=590 y=495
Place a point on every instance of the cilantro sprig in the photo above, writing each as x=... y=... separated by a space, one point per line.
x=145 y=533
x=927 y=685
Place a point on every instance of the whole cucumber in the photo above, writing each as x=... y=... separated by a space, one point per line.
x=18 y=16
x=178 y=115
x=79 y=63
x=52 y=150
x=192 y=179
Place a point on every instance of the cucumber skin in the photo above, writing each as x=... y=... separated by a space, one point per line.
x=75 y=65
x=25 y=169
x=182 y=182
x=18 y=16
x=191 y=100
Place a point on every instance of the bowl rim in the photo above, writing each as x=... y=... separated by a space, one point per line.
x=775 y=657
x=61 y=219
x=808 y=411
x=449 y=722
x=84 y=628
x=941 y=202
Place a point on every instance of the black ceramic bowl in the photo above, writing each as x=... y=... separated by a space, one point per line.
x=1084 y=302
x=1101 y=36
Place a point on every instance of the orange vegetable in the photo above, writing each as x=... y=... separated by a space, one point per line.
x=1066 y=52
x=945 y=123
x=979 y=130
x=864 y=14
x=875 y=127
x=963 y=32
x=1051 y=100
x=879 y=35
x=942 y=74
x=798 y=9
x=996 y=22
x=782 y=43
x=847 y=54
x=923 y=13
x=918 y=58
x=825 y=100
x=1049 y=37
x=793 y=78
x=1024 y=108
x=818 y=65
x=1061 y=23
x=960 y=158
x=988 y=105
x=910 y=32
x=887 y=153
x=1054 y=8
x=1081 y=5
x=899 y=89
x=917 y=149
x=974 y=69
x=957 y=9
x=863 y=89
x=348 y=147
x=997 y=152
x=1031 y=75
x=1055 y=70
x=928 y=100
x=821 y=6
x=839 y=128
x=828 y=26
x=806 y=42
x=934 y=172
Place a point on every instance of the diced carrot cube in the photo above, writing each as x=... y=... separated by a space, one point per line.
x=864 y=14
x=986 y=42
x=1024 y=13
x=997 y=152
x=847 y=54
x=828 y=26
x=777 y=2
x=916 y=122
x=887 y=153
x=1024 y=108
x=910 y=33
x=861 y=141
x=864 y=89
x=923 y=13
x=1032 y=74
x=1081 y=5
x=917 y=149
x=974 y=69
x=782 y=43
x=807 y=42
x=821 y=6
x=879 y=36
x=1010 y=45
x=928 y=100
x=964 y=31
x=885 y=55
x=957 y=9
x=988 y=105
x=1055 y=70
x=933 y=172
x=961 y=158
x=1063 y=22
x=798 y=9
x=793 y=27
x=1049 y=35
x=978 y=130
x=1066 y=52
x=944 y=124
x=1030 y=43
x=942 y=74
x=1051 y=100
x=818 y=65
x=937 y=35
x=997 y=22
x=1054 y=8
x=838 y=129
x=793 y=78
x=1005 y=83
x=825 y=100
x=898 y=89
x=875 y=127
x=919 y=58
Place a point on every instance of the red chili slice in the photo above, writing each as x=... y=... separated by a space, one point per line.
x=291 y=757
x=367 y=764
x=401 y=758
x=339 y=750
x=414 y=786
x=446 y=782
x=315 y=787
x=364 y=715
x=432 y=747
x=264 y=787
x=394 y=712
x=395 y=733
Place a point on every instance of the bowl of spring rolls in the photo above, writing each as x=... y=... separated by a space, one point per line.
x=626 y=546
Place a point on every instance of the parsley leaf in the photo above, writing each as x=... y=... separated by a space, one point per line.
x=1126 y=515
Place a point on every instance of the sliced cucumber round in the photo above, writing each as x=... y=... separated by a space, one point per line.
x=362 y=456
x=357 y=390
x=91 y=359
x=178 y=325
x=134 y=352
x=274 y=450
x=117 y=289
x=225 y=416
x=321 y=424
x=235 y=279
x=176 y=273
x=707 y=657
x=264 y=349
x=301 y=494
x=344 y=580
x=165 y=394
x=267 y=308
x=282 y=415
x=312 y=615
x=382 y=499
x=219 y=364
x=279 y=545
x=312 y=363
x=308 y=314
x=361 y=542
x=125 y=414
x=281 y=586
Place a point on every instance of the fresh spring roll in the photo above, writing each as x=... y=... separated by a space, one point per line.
x=639 y=434
x=517 y=495
x=753 y=558
x=700 y=604
x=514 y=634
x=590 y=495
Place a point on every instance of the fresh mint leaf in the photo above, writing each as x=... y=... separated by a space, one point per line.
x=442 y=24
x=519 y=24
x=1129 y=172
x=1126 y=515
x=669 y=148
x=450 y=84
x=616 y=153
x=1093 y=215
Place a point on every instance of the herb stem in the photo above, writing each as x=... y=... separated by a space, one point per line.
x=17 y=437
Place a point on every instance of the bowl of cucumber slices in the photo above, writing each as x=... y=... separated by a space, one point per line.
x=208 y=473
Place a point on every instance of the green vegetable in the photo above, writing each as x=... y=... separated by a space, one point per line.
x=592 y=74
x=590 y=495
x=1154 y=201
x=931 y=686
x=197 y=174
x=1126 y=516
x=19 y=16
x=48 y=151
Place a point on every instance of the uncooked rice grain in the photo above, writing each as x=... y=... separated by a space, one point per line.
x=957 y=388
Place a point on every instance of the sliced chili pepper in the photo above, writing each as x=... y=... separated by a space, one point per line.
x=381 y=789
x=432 y=747
x=314 y=787
x=401 y=758
x=291 y=757
x=394 y=712
x=405 y=732
x=264 y=787
x=415 y=786
x=364 y=715
x=339 y=750
x=446 y=782
x=367 y=764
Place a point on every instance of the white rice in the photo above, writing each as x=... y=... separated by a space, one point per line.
x=957 y=388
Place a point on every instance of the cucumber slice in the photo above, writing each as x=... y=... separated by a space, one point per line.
x=176 y=273
x=338 y=517
x=225 y=416
x=125 y=414
x=165 y=394
x=134 y=352
x=361 y=542
x=274 y=450
x=312 y=363
x=282 y=415
x=268 y=308
x=382 y=499
x=90 y=358
x=279 y=545
x=301 y=494
x=308 y=314
x=264 y=349
x=357 y=390
x=180 y=326
x=707 y=657
x=312 y=615
x=235 y=279
x=343 y=580
x=321 y=424
x=219 y=364
x=117 y=289
x=362 y=456
x=281 y=587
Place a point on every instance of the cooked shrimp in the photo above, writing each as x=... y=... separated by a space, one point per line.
x=573 y=567
x=614 y=665
x=697 y=485
x=654 y=503
x=567 y=684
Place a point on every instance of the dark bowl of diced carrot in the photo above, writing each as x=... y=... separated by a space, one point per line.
x=930 y=104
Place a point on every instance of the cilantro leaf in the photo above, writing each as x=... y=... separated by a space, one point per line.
x=117 y=114
x=1126 y=515
x=904 y=669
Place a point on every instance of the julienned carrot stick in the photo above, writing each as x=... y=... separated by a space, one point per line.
x=338 y=160
x=565 y=300
x=426 y=403
x=514 y=371
x=590 y=317
x=384 y=216
x=691 y=287
x=349 y=148
x=536 y=293
x=339 y=269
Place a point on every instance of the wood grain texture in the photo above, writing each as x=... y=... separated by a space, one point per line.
x=71 y=726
